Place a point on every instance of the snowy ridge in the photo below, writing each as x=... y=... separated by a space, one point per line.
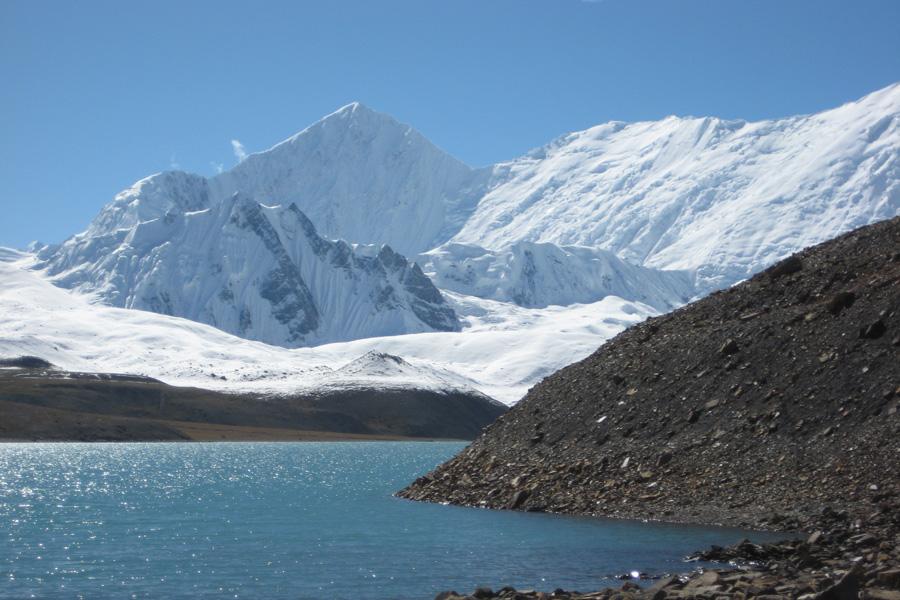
x=260 y=272
x=538 y=275
x=501 y=352
x=723 y=198
x=150 y=199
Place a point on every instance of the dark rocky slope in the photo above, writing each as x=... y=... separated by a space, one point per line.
x=771 y=404
x=38 y=402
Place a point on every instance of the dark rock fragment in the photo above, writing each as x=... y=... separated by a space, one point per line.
x=889 y=578
x=841 y=301
x=788 y=266
x=845 y=589
x=879 y=594
x=25 y=362
x=518 y=499
x=729 y=347
x=874 y=330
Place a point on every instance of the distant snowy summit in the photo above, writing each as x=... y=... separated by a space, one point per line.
x=656 y=212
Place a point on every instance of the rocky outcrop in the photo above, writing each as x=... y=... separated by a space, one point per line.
x=772 y=404
x=757 y=406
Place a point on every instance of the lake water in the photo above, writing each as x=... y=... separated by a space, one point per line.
x=287 y=520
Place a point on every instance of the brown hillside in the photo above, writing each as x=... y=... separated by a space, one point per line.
x=760 y=405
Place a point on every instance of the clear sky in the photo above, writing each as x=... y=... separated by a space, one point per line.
x=96 y=95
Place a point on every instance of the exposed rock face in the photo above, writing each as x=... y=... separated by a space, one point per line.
x=758 y=405
x=260 y=272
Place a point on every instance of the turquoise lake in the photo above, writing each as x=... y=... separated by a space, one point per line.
x=288 y=520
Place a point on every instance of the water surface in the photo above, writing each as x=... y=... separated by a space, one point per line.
x=287 y=520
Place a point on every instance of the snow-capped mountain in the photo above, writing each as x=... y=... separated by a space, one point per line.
x=226 y=251
x=362 y=176
x=538 y=275
x=560 y=248
x=260 y=272
x=722 y=198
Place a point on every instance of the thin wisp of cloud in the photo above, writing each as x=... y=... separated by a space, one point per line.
x=238 y=148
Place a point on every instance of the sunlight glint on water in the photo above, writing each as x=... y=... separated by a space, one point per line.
x=303 y=520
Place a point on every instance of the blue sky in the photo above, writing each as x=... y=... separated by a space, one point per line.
x=96 y=95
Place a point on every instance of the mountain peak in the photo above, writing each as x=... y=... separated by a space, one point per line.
x=356 y=112
x=353 y=107
x=358 y=174
x=354 y=115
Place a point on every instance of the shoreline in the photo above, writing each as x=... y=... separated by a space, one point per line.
x=772 y=404
x=148 y=430
x=845 y=556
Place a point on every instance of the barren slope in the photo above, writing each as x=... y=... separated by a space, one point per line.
x=758 y=405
